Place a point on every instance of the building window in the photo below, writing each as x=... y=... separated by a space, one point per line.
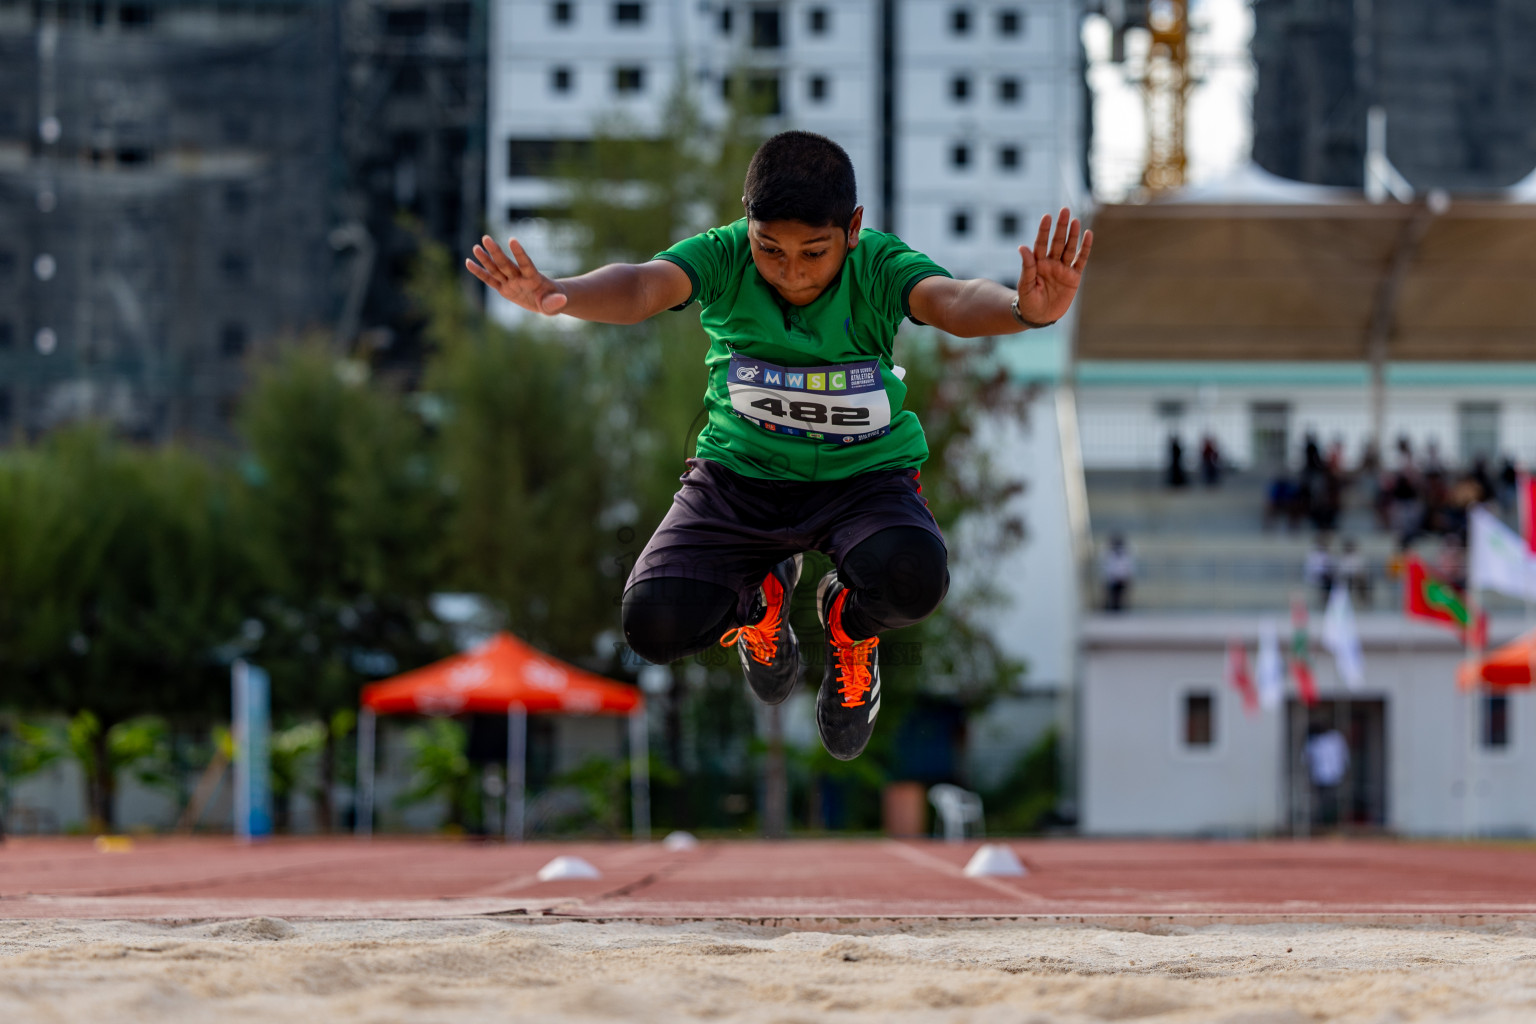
x=1009 y=22
x=765 y=29
x=7 y=263
x=236 y=200
x=628 y=80
x=406 y=21
x=818 y=88
x=1270 y=434
x=960 y=155
x=960 y=21
x=455 y=19
x=1495 y=721
x=1199 y=720
x=562 y=12
x=960 y=223
x=819 y=21
x=1008 y=225
x=136 y=15
x=1477 y=428
x=628 y=14
x=235 y=267
x=1009 y=89
x=232 y=340
x=1009 y=158
x=7 y=334
x=726 y=21
x=767 y=99
x=5 y=408
x=560 y=79
x=960 y=88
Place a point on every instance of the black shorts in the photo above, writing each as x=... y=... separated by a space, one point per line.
x=730 y=529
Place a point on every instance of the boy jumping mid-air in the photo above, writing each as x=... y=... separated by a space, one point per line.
x=806 y=445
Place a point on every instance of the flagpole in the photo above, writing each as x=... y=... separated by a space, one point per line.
x=1474 y=701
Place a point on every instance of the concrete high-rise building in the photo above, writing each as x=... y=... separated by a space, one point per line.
x=1455 y=80
x=964 y=120
x=413 y=135
x=166 y=174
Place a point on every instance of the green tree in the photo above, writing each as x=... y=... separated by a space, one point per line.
x=124 y=616
x=344 y=503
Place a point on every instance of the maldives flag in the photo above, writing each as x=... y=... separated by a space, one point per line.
x=1238 y=677
x=1301 y=645
x=1430 y=598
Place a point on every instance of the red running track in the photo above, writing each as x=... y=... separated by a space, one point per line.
x=1136 y=883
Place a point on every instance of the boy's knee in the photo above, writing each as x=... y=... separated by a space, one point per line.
x=905 y=570
x=665 y=619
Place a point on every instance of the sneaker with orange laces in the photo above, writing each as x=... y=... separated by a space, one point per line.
x=849 y=698
x=770 y=654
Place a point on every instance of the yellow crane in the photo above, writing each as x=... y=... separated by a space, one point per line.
x=1165 y=87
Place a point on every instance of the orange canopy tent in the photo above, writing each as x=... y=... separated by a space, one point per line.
x=1510 y=665
x=508 y=677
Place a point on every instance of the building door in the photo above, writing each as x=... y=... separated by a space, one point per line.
x=1477 y=427
x=1270 y=436
x=1336 y=771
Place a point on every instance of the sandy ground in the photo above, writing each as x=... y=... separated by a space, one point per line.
x=492 y=970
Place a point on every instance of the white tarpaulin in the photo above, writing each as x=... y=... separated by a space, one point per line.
x=1498 y=558
x=1269 y=670
x=1341 y=639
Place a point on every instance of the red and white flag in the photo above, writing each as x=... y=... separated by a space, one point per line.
x=1525 y=494
x=1238 y=677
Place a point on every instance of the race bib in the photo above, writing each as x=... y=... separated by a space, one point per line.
x=844 y=403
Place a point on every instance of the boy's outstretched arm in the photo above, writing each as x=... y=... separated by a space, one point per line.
x=1048 y=282
x=620 y=293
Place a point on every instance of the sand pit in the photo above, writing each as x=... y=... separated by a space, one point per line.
x=415 y=972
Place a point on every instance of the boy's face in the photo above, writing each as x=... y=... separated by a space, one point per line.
x=800 y=260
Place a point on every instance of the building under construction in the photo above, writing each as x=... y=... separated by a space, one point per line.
x=183 y=182
x=166 y=173
x=1456 y=82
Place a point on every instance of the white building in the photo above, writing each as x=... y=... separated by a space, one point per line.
x=1258 y=319
x=964 y=120
x=1170 y=749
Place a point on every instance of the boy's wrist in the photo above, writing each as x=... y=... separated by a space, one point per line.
x=1020 y=319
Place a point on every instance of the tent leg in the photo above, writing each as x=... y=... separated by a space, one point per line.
x=517 y=763
x=366 y=727
x=640 y=775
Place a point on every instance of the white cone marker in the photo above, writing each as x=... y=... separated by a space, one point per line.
x=679 y=841
x=564 y=868
x=994 y=859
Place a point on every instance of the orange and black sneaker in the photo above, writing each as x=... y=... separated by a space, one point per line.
x=770 y=654
x=849 y=698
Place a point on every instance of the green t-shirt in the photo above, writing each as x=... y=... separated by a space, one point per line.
x=804 y=392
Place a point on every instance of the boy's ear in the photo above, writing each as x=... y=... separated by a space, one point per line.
x=854 y=225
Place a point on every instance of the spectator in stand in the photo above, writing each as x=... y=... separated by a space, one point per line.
x=1118 y=570
x=1280 y=500
x=1176 y=475
x=1509 y=478
x=1335 y=457
x=1435 y=491
x=1318 y=570
x=1354 y=573
x=1483 y=478
x=1210 y=461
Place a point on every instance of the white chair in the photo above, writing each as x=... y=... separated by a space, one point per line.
x=956 y=809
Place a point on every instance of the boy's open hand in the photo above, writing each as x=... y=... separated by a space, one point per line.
x=1054 y=269
x=515 y=278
